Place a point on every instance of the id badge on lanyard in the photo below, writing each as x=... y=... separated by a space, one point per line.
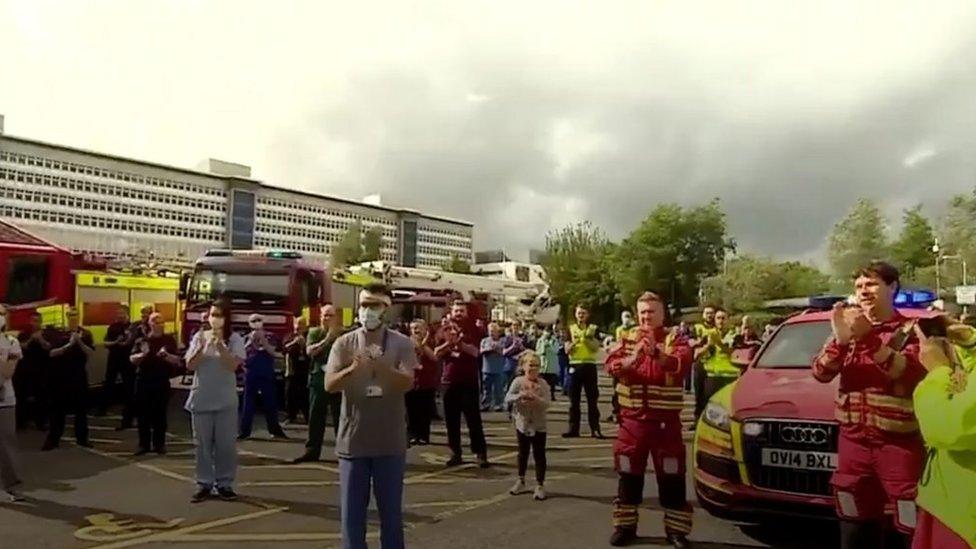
x=373 y=390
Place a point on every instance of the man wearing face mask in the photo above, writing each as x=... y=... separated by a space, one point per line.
x=373 y=367
x=259 y=378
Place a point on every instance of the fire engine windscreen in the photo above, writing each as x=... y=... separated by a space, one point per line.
x=209 y=285
x=795 y=345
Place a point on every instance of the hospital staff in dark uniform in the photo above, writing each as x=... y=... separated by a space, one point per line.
x=70 y=351
x=155 y=357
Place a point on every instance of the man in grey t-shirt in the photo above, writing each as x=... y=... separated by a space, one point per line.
x=373 y=368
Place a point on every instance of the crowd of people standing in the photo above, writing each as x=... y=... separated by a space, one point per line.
x=381 y=387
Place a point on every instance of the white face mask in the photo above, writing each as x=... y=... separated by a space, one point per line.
x=370 y=318
x=217 y=323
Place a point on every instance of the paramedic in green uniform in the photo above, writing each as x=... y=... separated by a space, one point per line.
x=321 y=402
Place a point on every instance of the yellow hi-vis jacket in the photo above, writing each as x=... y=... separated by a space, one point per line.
x=717 y=360
x=585 y=344
x=947 y=489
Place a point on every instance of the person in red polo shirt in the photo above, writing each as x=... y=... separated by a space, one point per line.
x=420 y=400
x=458 y=353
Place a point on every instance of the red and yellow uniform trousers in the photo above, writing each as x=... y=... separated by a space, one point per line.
x=651 y=397
x=880 y=451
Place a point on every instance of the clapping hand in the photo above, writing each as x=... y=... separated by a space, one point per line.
x=932 y=352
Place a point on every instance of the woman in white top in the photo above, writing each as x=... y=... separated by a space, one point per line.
x=9 y=355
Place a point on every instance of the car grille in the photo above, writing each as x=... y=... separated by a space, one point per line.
x=790 y=435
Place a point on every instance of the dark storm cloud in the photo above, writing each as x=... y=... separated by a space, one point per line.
x=785 y=175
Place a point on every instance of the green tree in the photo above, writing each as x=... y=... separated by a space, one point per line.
x=457 y=264
x=857 y=239
x=372 y=244
x=958 y=234
x=671 y=252
x=913 y=250
x=749 y=281
x=349 y=250
x=578 y=266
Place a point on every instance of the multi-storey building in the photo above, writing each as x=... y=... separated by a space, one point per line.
x=119 y=207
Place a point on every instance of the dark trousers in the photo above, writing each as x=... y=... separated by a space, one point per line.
x=709 y=386
x=699 y=383
x=458 y=401
x=538 y=444
x=64 y=402
x=322 y=405
x=152 y=405
x=420 y=407
x=33 y=401
x=583 y=378
x=297 y=397
x=262 y=382
x=119 y=386
x=553 y=381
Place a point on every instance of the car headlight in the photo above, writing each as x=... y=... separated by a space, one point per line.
x=717 y=416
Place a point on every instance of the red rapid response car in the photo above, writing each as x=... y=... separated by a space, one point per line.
x=767 y=444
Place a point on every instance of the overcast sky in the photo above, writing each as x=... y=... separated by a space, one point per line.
x=523 y=116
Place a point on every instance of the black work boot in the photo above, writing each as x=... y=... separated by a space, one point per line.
x=623 y=536
x=678 y=541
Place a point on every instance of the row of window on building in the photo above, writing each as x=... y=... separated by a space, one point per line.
x=276 y=207
x=29 y=181
x=330 y=219
x=82 y=169
x=85 y=219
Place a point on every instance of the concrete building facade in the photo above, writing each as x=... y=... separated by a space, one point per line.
x=118 y=207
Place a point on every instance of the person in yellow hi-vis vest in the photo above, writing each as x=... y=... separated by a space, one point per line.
x=583 y=348
x=715 y=354
x=945 y=405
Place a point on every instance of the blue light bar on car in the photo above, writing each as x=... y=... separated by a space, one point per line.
x=915 y=298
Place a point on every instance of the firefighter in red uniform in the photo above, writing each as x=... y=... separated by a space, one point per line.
x=650 y=364
x=880 y=451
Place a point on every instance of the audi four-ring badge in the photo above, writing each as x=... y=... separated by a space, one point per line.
x=803 y=435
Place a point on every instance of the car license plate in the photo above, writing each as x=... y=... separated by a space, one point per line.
x=794 y=459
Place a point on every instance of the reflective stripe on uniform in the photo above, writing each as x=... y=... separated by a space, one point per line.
x=676 y=521
x=624 y=515
x=884 y=412
x=640 y=404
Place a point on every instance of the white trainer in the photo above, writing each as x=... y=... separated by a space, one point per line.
x=540 y=493
x=518 y=487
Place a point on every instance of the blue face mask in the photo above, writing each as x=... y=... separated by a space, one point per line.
x=370 y=318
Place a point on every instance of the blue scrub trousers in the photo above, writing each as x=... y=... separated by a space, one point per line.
x=260 y=380
x=385 y=476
